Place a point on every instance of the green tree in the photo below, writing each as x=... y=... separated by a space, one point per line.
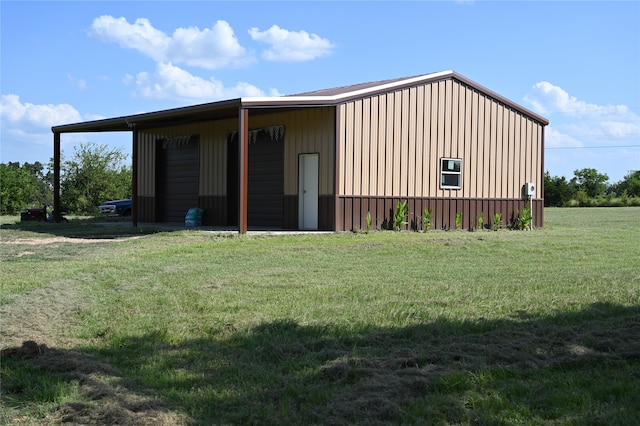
x=24 y=186
x=95 y=174
x=557 y=190
x=591 y=182
x=629 y=185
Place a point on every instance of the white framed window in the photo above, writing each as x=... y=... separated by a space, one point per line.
x=450 y=173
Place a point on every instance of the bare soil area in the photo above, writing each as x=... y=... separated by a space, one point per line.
x=54 y=240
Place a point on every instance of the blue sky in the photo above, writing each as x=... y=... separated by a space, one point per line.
x=575 y=63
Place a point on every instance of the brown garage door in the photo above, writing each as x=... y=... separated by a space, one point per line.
x=265 y=181
x=177 y=178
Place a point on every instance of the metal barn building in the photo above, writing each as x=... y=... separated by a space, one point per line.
x=325 y=159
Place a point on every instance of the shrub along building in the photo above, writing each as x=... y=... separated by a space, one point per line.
x=326 y=159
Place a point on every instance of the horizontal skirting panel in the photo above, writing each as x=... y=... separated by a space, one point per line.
x=352 y=212
x=326 y=212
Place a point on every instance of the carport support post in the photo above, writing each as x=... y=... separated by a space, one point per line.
x=243 y=157
x=56 y=176
x=134 y=179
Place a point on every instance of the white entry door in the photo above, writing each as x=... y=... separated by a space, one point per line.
x=308 y=191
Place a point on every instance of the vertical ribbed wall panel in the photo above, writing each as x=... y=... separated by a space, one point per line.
x=393 y=143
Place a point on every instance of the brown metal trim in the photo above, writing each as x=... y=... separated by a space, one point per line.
x=56 y=176
x=501 y=99
x=134 y=179
x=243 y=157
x=374 y=90
x=206 y=111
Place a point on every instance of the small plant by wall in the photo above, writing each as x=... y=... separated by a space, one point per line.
x=400 y=215
x=481 y=221
x=368 y=224
x=523 y=219
x=458 y=220
x=497 y=221
x=426 y=219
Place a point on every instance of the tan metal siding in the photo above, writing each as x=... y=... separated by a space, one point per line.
x=212 y=155
x=511 y=167
x=504 y=114
x=494 y=153
x=348 y=151
x=374 y=150
x=419 y=141
x=465 y=154
x=486 y=176
x=366 y=145
x=308 y=130
x=357 y=147
x=411 y=123
x=382 y=151
x=470 y=163
x=402 y=140
x=433 y=138
x=393 y=143
x=396 y=143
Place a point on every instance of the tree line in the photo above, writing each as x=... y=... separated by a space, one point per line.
x=97 y=173
x=588 y=187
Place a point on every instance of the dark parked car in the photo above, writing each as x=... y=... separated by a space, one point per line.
x=116 y=208
x=40 y=214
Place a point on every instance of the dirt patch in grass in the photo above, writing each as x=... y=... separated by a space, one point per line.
x=54 y=240
x=42 y=315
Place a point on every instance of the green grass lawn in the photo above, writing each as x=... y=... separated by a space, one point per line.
x=186 y=327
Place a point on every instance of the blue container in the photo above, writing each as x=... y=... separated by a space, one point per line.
x=194 y=217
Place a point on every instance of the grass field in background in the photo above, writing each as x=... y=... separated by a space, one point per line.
x=133 y=325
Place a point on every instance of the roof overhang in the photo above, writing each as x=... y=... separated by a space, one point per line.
x=230 y=108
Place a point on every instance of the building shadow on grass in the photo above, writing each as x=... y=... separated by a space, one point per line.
x=579 y=367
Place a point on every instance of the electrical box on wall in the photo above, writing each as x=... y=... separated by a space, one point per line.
x=530 y=188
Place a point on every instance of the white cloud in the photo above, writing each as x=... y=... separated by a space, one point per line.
x=26 y=128
x=211 y=48
x=24 y=116
x=174 y=83
x=583 y=134
x=581 y=119
x=547 y=98
x=556 y=139
x=140 y=35
x=291 y=46
x=78 y=83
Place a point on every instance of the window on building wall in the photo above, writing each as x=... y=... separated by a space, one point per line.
x=450 y=173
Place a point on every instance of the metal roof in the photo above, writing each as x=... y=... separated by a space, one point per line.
x=230 y=108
